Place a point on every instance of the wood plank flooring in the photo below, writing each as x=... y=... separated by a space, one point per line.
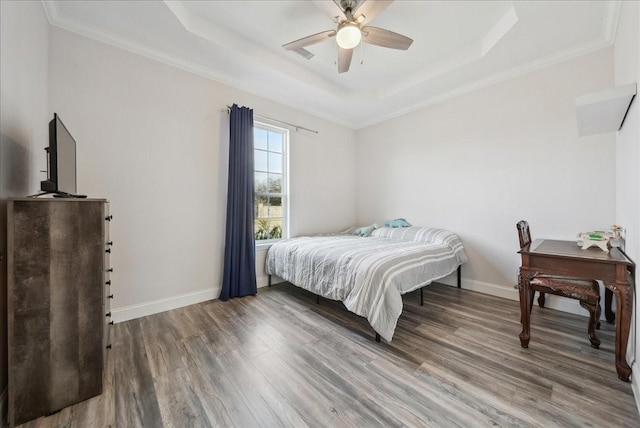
x=279 y=359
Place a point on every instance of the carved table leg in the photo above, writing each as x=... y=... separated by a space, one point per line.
x=525 y=307
x=594 y=314
x=608 y=313
x=624 y=308
x=541 y=299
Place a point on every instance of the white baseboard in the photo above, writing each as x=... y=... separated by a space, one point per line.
x=155 y=306
x=491 y=289
x=263 y=281
x=563 y=304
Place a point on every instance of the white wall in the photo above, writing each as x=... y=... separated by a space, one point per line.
x=24 y=114
x=479 y=163
x=153 y=140
x=627 y=70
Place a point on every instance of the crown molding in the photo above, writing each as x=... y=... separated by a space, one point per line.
x=610 y=22
x=611 y=18
x=521 y=70
x=56 y=19
x=609 y=28
x=78 y=27
x=51 y=11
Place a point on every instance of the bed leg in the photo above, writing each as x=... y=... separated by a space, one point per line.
x=377 y=338
x=422 y=296
x=318 y=299
x=460 y=276
x=269 y=280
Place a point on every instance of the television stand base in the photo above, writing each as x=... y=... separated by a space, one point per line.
x=57 y=195
x=68 y=195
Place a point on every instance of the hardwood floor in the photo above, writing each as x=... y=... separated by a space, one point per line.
x=279 y=359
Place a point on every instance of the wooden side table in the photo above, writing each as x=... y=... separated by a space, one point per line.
x=614 y=269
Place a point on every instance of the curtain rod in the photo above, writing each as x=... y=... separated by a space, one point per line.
x=298 y=127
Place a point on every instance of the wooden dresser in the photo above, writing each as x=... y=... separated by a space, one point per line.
x=58 y=303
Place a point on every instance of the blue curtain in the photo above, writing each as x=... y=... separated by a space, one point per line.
x=239 y=250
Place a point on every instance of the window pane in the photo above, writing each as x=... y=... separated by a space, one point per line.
x=262 y=229
x=260 y=179
x=269 y=147
x=261 y=207
x=275 y=228
x=260 y=138
x=275 y=207
x=275 y=183
x=260 y=160
x=268 y=229
x=275 y=142
x=275 y=162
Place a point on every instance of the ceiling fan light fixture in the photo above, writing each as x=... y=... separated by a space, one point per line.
x=353 y=17
x=348 y=35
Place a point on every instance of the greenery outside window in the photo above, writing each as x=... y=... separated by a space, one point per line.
x=271 y=182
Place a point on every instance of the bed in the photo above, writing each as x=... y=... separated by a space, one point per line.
x=368 y=274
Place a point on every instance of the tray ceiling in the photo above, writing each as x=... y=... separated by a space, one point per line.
x=458 y=46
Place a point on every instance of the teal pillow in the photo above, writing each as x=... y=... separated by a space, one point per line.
x=366 y=230
x=399 y=222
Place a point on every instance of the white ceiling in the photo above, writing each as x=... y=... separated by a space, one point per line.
x=458 y=46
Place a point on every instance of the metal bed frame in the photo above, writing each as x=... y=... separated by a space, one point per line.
x=459 y=282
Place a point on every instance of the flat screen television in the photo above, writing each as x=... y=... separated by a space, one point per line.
x=61 y=161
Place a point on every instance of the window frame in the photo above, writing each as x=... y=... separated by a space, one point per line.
x=284 y=194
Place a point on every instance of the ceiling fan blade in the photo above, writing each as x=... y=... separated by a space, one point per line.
x=385 y=38
x=344 y=59
x=369 y=9
x=309 y=40
x=332 y=9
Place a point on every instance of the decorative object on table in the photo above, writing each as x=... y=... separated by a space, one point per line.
x=598 y=238
x=616 y=230
x=618 y=237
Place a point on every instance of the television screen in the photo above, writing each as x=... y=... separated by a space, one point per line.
x=61 y=166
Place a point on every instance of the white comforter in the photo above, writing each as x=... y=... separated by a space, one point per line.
x=368 y=275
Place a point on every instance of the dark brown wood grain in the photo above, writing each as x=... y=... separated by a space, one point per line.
x=56 y=306
x=614 y=269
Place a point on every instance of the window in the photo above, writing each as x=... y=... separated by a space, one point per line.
x=270 y=169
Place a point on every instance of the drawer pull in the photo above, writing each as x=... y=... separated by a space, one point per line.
x=110 y=322
x=109 y=346
x=111 y=296
x=110 y=270
x=109 y=218
x=108 y=314
x=110 y=243
x=108 y=282
x=108 y=250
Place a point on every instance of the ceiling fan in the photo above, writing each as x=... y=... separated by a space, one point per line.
x=352 y=17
